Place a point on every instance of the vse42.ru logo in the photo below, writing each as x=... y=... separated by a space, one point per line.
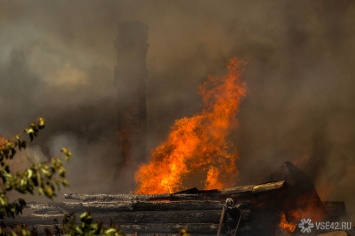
x=306 y=225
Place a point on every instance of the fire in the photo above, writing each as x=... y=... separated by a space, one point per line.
x=198 y=145
x=286 y=226
x=303 y=208
x=307 y=209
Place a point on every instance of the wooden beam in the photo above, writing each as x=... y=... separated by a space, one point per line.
x=141 y=217
x=202 y=195
x=125 y=206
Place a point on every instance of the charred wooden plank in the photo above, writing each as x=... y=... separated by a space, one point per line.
x=268 y=186
x=191 y=216
x=118 y=206
x=243 y=205
x=124 y=206
x=209 y=216
x=42 y=208
x=206 y=228
x=142 y=229
x=201 y=229
x=207 y=195
x=238 y=189
x=34 y=219
x=129 y=197
x=57 y=207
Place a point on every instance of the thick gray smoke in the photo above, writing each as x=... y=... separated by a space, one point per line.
x=57 y=61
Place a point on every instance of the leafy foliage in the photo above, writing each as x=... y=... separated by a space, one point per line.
x=86 y=226
x=45 y=177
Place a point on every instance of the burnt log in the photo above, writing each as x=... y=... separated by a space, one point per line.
x=34 y=219
x=118 y=206
x=191 y=216
x=146 y=213
x=145 y=229
x=205 y=229
x=193 y=194
x=129 y=197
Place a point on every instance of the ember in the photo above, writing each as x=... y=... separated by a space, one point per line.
x=198 y=145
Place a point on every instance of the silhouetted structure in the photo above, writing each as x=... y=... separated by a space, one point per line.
x=130 y=73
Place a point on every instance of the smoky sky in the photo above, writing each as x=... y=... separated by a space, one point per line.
x=57 y=60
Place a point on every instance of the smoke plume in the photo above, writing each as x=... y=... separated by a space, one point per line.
x=57 y=61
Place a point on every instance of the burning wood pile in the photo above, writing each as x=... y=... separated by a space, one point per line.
x=201 y=212
x=198 y=147
x=273 y=208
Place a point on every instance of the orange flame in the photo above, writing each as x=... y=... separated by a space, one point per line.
x=198 y=145
x=286 y=226
x=303 y=208
x=307 y=209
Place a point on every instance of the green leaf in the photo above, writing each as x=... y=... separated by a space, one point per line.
x=78 y=229
x=45 y=178
x=3 y=201
x=30 y=133
x=61 y=172
x=84 y=215
x=48 y=191
x=95 y=227
x=41 y=191
x=20 y=142
x=41 y=123
x=29 y=130
x=29 y=173
x=111 y=231
x=67 y=153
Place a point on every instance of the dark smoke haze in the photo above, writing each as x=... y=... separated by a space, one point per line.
x=57 y=60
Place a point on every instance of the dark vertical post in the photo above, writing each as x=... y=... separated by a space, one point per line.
x=130 y=74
